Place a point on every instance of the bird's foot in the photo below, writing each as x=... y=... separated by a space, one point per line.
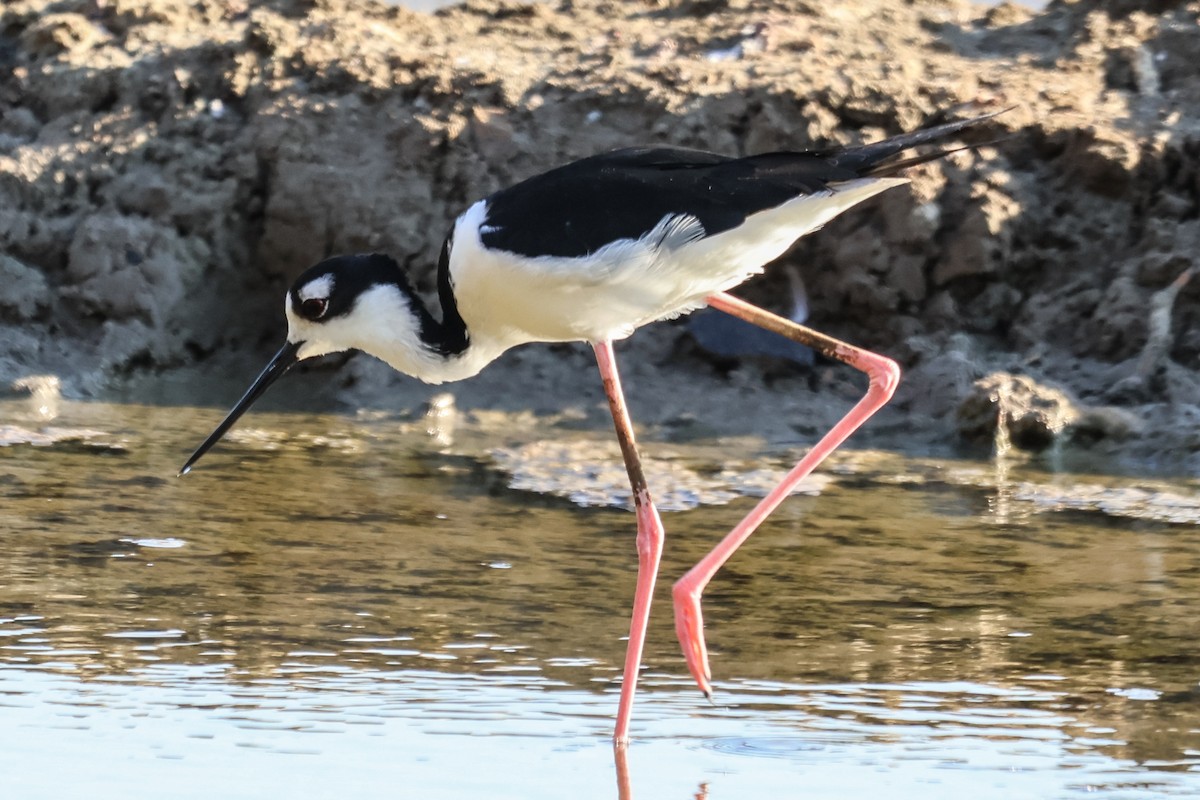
x=689 y=627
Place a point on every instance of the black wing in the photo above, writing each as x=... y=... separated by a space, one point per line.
x=578 y=208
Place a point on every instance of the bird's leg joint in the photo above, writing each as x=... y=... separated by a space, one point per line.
x=650 y=533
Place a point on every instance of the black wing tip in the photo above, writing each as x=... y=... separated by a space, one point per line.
x=945 y=119
x=874 y=159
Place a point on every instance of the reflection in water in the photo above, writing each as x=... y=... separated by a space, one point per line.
x=343 y=608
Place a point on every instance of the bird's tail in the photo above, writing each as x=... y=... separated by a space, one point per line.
x=876 y=159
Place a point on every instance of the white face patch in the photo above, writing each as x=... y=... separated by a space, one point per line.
x=320 y=288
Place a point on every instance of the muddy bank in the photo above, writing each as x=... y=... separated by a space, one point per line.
x=167 y=168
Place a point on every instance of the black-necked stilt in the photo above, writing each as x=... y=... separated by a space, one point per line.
x=590 y=252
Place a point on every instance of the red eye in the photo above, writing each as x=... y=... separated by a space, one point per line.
x=314 y=307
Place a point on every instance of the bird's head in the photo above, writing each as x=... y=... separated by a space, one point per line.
x=359 y=302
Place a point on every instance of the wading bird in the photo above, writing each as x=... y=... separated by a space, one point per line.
x=589 y=252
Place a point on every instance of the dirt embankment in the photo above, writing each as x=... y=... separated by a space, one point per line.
x=166 y=168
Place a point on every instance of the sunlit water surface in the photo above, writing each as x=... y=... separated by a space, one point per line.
x=342 y=607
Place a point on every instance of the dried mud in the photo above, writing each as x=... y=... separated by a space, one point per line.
x=166 y=168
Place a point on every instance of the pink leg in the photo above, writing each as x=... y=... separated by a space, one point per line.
x=884 y=375
x=649 y=536
x=621 y=756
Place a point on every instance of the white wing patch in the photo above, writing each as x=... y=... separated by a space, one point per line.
x=673 y=232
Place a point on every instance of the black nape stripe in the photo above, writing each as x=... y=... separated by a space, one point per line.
x=454 y=337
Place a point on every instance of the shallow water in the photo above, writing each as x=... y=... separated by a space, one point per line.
x=335 y=606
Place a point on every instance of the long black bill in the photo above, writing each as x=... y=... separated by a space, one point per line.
x=280 y=364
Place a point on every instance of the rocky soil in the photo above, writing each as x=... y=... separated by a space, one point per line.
x=167 y=167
